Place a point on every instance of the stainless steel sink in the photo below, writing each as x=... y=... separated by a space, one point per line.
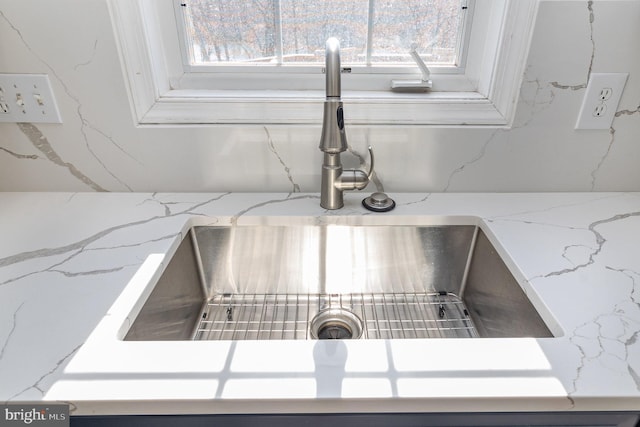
x=336 y=282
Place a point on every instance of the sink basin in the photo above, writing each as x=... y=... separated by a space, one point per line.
x=335 y=282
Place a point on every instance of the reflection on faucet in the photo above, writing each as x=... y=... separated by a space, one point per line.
x=334 y=139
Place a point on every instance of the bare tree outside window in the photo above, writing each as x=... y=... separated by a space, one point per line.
x=294 y=31
x=306 y=25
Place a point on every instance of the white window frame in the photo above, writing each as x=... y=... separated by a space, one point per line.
x=485 y=94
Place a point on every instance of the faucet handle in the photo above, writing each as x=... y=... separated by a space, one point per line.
x=370 y=173
x=355 y=179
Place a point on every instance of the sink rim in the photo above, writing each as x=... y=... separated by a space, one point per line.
x=351 y=221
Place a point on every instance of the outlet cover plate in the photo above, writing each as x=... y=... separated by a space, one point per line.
x=601 y=100
x=27 y=98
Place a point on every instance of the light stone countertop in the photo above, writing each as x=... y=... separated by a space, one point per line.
x=73 y=266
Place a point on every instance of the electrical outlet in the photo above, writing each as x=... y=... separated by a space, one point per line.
x=27 y=98
x=601 y=100
x=600 y=110
x=605 y=93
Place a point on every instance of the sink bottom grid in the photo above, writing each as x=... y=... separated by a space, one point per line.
x=288 y=316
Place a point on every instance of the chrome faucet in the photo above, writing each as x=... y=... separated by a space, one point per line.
x=334 y=139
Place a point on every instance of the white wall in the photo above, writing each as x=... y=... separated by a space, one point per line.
x=98 y=147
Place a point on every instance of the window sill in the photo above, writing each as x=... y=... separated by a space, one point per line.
x=305 y=107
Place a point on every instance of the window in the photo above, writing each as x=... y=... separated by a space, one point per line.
x=285 y=40
x=260 y=61
x=293 y=32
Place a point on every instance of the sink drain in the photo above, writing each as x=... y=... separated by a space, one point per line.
x=336 y=324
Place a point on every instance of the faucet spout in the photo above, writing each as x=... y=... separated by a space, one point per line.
x=332 y=68
x=333 y=140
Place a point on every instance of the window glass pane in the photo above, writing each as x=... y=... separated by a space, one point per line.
x=306 y=26
x=433 y=25
x=250 y=31
x=231 y=31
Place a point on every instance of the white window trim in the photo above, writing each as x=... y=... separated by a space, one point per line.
x=143 y=42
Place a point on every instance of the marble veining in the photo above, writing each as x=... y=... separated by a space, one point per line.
x=627 y=112
x=599 y=242
x=612 y=138
x=37 y=385
x=90 y=60
x=272 y=148
x=571 y=252
x=42 y=144
x=477 y=158
x=603 y=341
x=20 y=156
x=540 y=152
x=288 y=198
x=78 y=248
x=537 y=105
x=593 y=54
x=13 y=328
x=606 y=340
x=33 y=133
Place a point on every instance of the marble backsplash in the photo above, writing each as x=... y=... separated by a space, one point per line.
x=98 y=147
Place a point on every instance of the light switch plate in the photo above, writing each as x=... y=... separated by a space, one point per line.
x=601 y=100
x=27 y=98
